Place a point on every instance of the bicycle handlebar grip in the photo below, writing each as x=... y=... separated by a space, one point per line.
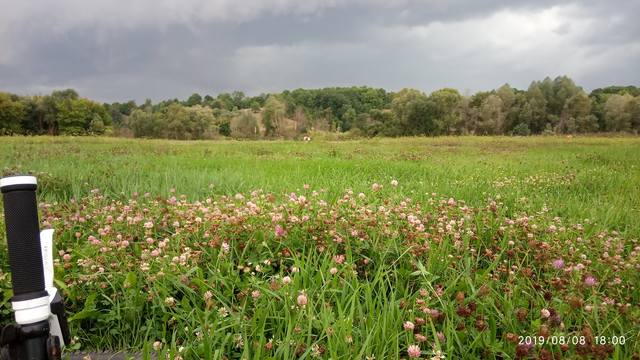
x=23 y=237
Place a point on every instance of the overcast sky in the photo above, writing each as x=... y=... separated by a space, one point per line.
x=114 y=50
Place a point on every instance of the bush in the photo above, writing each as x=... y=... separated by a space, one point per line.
x=522 y=129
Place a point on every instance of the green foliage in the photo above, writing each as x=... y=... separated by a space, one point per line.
x=412 y=109
x=12 y=111
x=619 y=112
x=272 y=116
x=143 y=123
x=245 y=126
x=74 y=116
x=224 y=128
x=547 y=106
x=522 y=129
x=194 y=99
x=444 y=106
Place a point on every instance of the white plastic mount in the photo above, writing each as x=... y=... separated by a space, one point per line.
x=18 y=180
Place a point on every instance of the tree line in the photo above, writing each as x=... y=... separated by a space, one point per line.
x=549 y=106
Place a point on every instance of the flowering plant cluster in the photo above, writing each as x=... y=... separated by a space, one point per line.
x=371 y=275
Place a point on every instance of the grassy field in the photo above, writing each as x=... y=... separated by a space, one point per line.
x=384 y=248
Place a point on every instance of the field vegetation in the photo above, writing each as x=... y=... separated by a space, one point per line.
x=549 y=106
x=449 y=247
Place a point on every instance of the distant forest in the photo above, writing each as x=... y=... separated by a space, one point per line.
x=550 y=106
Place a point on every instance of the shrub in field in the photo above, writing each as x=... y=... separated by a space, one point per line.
x=370 y=275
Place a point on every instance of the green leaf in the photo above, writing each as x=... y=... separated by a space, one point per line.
x=89 y=310
x=132 y=279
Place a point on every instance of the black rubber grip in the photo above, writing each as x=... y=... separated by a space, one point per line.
x=23 y=240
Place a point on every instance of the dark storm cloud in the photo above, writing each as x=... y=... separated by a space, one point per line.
x=115 y=50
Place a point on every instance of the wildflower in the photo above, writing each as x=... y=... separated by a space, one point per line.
x=348 y=339
x=590 y=281
x=170 y=301
x=155 y=253
x=339 y=259
x=438 y=354
x=376 y=187
x=302 y=300
x=279 y=231
x=286 y=280
x=544 y=313
x=316 y=350
x=413 y=351
x=558 y=264
x=255 y=294
x=208 y=295
x=239 y=341
x=157 y=346
x=269 y=345
x=394 y=182
x=148 y=225
x=223 y=312
x=420 y=337
x=333 y=271
x=408 y=326
x=93 y=240
x=66 y=257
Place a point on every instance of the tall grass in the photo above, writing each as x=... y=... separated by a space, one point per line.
x=482 y=241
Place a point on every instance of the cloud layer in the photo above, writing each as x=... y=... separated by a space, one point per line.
x=119 y=50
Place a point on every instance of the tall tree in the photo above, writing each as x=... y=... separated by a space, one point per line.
x=576 y=115
x=12 y=113
x=491 y=116
x=411 y=109
x=444 y=105
x=273 y=115
x=618 y=112
x=194 y=99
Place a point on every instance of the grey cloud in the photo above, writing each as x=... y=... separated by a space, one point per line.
x=113 y=51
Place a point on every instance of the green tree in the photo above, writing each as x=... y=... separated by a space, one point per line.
x=521 y=129
x=411 y=109
x=534 y=111
x=272 y=115
x=491 y=116
x=511 y=105
x=97 y=125
x=348 y=119
x=144 y=123
x=618 y=112
x=444 y=104
x=12 y=113
x=194 y=99
x=224 y=128
x=74 y=115
x=244 y=126
x=576 y=115
x=201 y=121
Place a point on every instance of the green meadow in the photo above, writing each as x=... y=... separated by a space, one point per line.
x=580 y=178
x=448 y=247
